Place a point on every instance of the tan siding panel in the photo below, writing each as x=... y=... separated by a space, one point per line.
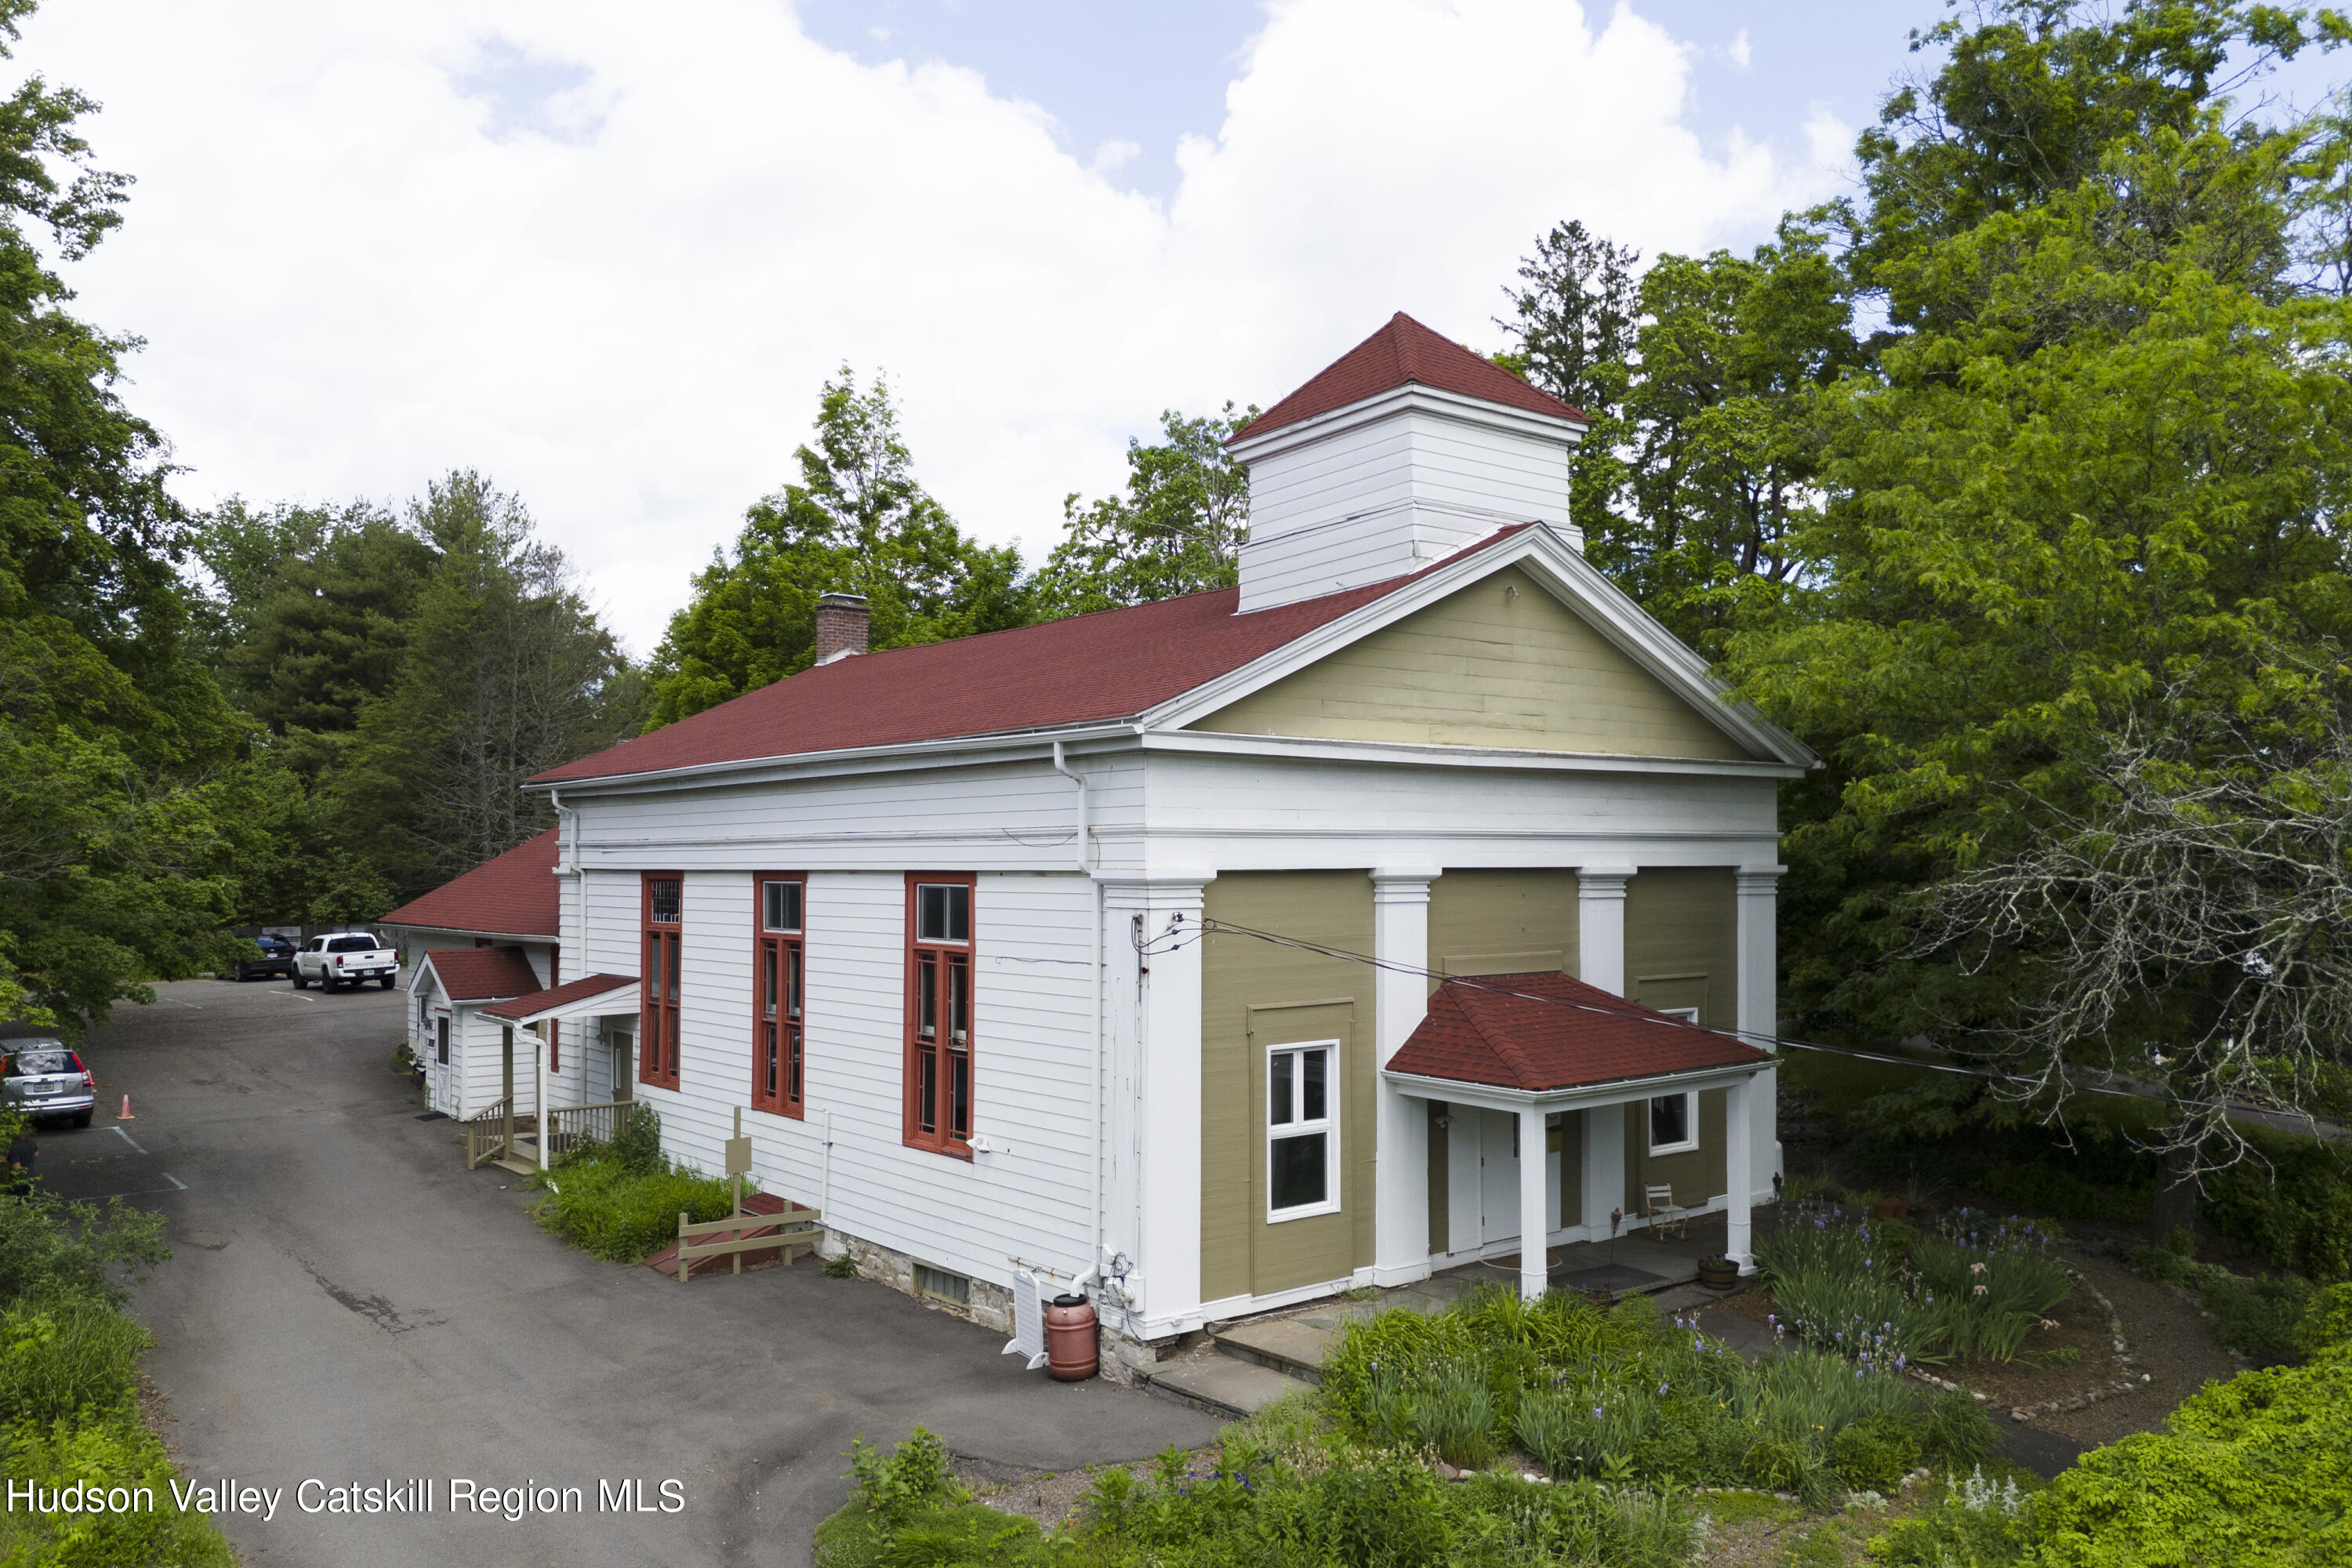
x=1247 y=983
x=1486 y=666
x=1682 y=950
x=1496 y=921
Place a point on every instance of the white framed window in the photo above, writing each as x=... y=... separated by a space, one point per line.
x=1673 y=1123
x=1302 y=1129
x=1688 y=1014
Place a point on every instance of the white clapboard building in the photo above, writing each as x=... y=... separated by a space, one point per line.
x=1057 y=948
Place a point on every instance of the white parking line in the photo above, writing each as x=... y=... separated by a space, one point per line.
x=126 y=1137
x=175 y=1181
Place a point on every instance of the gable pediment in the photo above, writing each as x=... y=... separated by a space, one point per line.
x=1499 y=663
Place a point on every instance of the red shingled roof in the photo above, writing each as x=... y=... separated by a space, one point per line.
x=482 y=973
x=1546 y=1031
x=1405 y=352
x=512 y=895
x=532 y=1003
x=1107 y=666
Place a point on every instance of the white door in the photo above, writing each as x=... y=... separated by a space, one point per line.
x=1498 y=1178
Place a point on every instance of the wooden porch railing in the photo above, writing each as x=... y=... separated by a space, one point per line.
x=489 y=1133
x=570 y=1126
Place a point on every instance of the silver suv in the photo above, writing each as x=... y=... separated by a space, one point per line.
x=44 y=1079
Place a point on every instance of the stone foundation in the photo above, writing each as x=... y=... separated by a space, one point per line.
x=1128 y=1361
x=991 y=1305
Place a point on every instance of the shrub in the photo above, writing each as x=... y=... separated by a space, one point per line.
x=114 y=1451
x=1954 y=1430
x=609 y=1203
x=78 y=1357
x=53 y=1252
x=1977 y=1524
x=635 y=1150
x=912 y=1476
x=1453 y=1411
x=2259 y=1317
x=1874 y=1454
x=1878 y=1291
x=2293 y=1206
x=2256 y=1470
x=1624 y=1395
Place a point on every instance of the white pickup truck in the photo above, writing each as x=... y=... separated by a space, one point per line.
x=345 y=957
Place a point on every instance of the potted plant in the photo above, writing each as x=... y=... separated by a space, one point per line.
x=1719 y=1273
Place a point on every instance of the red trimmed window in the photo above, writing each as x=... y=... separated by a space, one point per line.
x=664 y=895
x=777 y=984
x=939 y=1012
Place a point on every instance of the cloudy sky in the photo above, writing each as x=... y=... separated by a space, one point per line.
x=607 y=253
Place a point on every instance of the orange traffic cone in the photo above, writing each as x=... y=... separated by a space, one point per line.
x=124 y=1114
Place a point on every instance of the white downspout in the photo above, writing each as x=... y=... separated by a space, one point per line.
x=1095 y=1056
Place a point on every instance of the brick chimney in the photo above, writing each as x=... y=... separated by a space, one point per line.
x=841 y=622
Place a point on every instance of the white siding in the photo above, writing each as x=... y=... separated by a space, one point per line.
x=1387 y=497
x=1011 y=816
x=1279 y=811
x=1032 y=1031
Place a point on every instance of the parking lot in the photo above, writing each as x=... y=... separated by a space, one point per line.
x=349 y=1304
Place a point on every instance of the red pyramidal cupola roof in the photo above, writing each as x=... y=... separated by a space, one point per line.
x=1402 y=353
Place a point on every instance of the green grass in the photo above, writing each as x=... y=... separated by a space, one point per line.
x=623 y=1216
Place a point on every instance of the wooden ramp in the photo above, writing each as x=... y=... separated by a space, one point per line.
x=664 y=1262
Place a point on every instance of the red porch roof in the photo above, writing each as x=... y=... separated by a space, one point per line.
x=534 y=1003
x=515 y=894
x=1403 y=353
x=482 y=973
x=1546 y=1031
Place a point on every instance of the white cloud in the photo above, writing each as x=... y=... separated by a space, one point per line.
x=1114 y=154
x=608 y=255
x=1740 y=51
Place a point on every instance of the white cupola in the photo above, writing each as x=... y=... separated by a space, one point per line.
x=1407 y=448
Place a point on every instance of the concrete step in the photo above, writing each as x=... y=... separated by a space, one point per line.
x=515 y=1164
x=1223 y=1385
x=1289 y=1346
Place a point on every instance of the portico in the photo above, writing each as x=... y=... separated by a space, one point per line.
x=1530 y=1047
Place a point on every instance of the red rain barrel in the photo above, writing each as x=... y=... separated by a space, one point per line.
x=1070 y=1351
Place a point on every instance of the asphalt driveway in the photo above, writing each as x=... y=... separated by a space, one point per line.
x=349 y=1304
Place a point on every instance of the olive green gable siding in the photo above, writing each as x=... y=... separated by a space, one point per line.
x=1502 y=663
x=1255 y=995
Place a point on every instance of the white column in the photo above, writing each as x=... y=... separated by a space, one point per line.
x=1164 y=988
x=1759 y=953
x=1760 y=1014
x=1533 y=1250
x=1604 y=1167
x=1600 y=926
x=539 y=1094
x=1737 y=1120
x=1400 y=936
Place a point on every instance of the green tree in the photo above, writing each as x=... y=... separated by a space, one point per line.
x=856 y=523
x=1178 y=530
x=1700 y=376
x=308 y=607
x=505 y=671
x=113 y=864
x=2094 y=492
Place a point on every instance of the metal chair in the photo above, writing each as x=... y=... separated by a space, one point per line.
x=1659 y=1207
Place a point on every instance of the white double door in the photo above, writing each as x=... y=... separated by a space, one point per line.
x=1498 y=1177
